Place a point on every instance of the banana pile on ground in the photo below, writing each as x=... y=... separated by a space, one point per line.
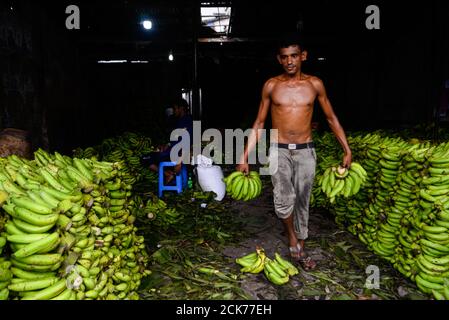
x=128 y=150
x=442 y=294
x=5 y=272
x=277 y=270
x=402 y=212
x=243 y=187
x=337 y=181
x=2 y=242
x=156 y=210
x=70 y=232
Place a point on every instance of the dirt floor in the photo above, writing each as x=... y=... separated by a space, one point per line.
x=342 y=260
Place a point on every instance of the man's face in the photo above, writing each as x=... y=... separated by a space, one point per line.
x=290 y=58
x=177 y=111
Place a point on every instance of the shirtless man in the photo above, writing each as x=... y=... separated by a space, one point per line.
x=291 y=97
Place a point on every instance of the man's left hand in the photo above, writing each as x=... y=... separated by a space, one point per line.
x=347 y=159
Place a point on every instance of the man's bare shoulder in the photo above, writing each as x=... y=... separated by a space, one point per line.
x=315 y=81
x=271 y=83
x=273 y=80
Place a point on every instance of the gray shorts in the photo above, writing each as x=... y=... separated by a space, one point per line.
x=293 y=182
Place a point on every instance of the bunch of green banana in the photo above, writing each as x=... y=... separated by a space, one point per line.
x=253 y=262
x=35 y=263
x=384 y=214
x=327 y=156
x=108 y=270
x=2 y=241
x=432 y=276
x=5 y=274
x=89 y=153
x=337 y=181
x=3 y=197
x=274 y=272
x=168 y=216
x=401 y=213
x=243 y=187
x=439 y=292
x=393 y=200
x=126 y=149
x=75 y=212
x=286 y=265
x=156 y=209
x=278 y=271
x=30 y=228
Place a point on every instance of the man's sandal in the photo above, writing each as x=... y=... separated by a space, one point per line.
x=295 y=252
x=298 y=255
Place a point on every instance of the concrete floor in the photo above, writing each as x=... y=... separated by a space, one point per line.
x=342 y=260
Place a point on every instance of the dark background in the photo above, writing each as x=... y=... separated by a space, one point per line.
x=52 y=86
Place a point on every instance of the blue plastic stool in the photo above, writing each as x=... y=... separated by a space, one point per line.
x=181 y=178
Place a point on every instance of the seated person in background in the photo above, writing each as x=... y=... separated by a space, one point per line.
x=183 y=120
x=170 y=120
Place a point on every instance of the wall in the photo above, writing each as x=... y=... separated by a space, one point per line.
x=38 y=75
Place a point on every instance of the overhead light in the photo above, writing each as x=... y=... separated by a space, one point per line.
x=321 y=59
x=139 y=61
x=112 y=61
x=147 y=24
x=170 y=57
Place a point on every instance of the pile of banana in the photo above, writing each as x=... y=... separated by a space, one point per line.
x=70 y=232
x=402 y=212
x=2 y=242
x=157 y=209
x=338 y=180
x=243 y=187
x=277 y=270
x=442 y=293
x=126 y=149
x=5 y=274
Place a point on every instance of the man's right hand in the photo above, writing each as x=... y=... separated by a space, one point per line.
x=244 y=167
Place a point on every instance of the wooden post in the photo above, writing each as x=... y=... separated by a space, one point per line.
x=196 y=21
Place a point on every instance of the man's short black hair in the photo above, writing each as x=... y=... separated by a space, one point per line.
x=291 y=39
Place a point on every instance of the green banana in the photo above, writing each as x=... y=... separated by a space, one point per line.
x=34 y=218
x=276 y=267
x=273 y=276
x=29 y=204
x=229 y=179
x=49 y=292
x=248 y=260
x=28 y=275
x=42 y=259
x=52 y=181
x=36 y=246
x=31 y=285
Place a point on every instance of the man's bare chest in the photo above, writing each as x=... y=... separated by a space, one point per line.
x=293 y=95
